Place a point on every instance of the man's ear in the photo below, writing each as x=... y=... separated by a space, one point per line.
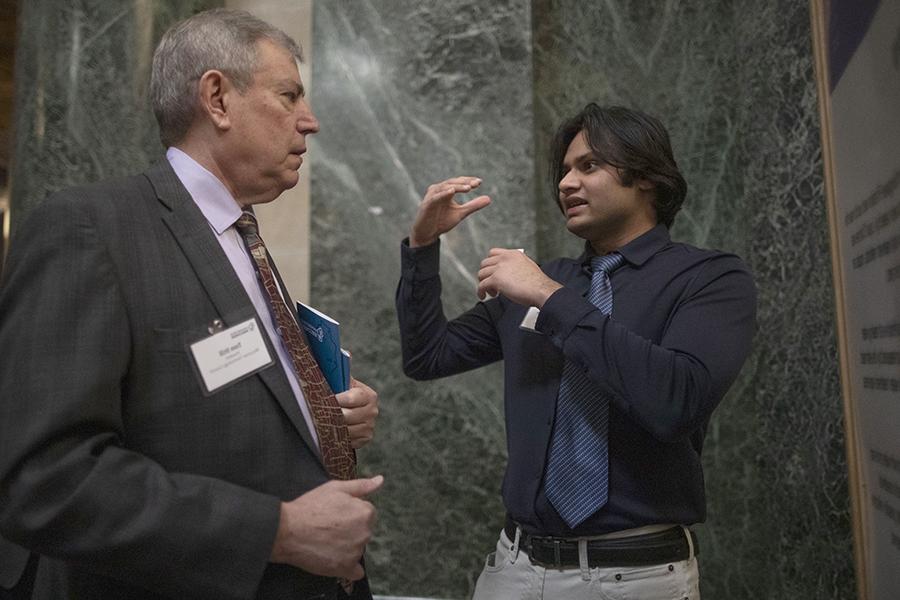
x=645 y=185
x=213 y=89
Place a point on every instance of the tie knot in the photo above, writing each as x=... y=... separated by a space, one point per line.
x=607 y=263
x=246 y=224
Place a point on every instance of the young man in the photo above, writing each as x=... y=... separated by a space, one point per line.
x=142 y=455
x=608 y=393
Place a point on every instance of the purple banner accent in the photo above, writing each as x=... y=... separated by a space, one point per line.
x=848 y=22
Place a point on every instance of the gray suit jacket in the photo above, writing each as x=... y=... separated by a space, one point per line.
x=114 y=466
x=13 y=559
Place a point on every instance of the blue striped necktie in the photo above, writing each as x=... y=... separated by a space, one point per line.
x=578 y=464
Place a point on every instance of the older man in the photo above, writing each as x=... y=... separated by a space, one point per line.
x=164 y=430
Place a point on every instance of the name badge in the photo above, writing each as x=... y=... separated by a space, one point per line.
x=231 y=354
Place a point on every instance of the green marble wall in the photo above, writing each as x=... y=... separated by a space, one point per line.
x=81 y=110
x=411 y=93
x=734 y=83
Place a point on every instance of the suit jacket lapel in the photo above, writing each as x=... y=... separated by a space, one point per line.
x=195 y=238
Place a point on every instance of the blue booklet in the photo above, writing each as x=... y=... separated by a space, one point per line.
x=323 y=334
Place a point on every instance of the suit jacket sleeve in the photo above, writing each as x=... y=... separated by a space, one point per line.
x=69 y=488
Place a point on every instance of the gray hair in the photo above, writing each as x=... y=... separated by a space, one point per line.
x=218 y=39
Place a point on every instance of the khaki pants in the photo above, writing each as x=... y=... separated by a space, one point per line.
x=510 y=575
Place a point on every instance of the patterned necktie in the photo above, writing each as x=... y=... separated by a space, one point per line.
x=576 y=481
x=334 y=437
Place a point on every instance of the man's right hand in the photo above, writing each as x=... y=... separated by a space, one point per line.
x=325 y=531
x=439 y=213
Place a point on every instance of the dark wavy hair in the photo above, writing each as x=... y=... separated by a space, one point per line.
x=631 y=141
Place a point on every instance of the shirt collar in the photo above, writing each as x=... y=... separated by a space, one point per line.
x=209 y=193
x=637 y=251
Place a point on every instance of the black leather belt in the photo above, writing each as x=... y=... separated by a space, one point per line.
x=657 y=548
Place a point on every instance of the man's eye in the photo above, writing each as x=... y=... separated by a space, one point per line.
x=292 y=96
x=591 y=165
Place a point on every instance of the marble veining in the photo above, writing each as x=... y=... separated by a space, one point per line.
x=82 y=113
x=409 y=94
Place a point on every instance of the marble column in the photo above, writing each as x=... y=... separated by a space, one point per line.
x=411 y=93
x=284 y=223
x=82 y=110
x=734 y=83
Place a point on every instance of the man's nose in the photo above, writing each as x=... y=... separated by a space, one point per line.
x=569 y=182
x=307 y=122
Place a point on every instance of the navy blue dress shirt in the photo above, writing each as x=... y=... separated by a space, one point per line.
x=680 y=329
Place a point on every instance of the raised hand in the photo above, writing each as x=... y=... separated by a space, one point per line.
x=439 y=212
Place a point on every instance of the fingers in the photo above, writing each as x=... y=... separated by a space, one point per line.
x=446 y=189
x=502 y=268
x=486 y=271
x=466 y=180
x=502 y=251
x=492 y=261
x=488 y=266
x=454 y=184
x=359 y=488
x=357 y=384
x=360 y=415
x=349 y=569
x=438 y=212
x=325 y=530
x=360 y=423
x=485 y=290
x=356 y=397
x=359 y=406
x=356 y=573
x=360 y=435
x=346 y=567
x=475 y=204
x=349 y=399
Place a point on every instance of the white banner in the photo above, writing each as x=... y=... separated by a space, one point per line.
x=858 y=59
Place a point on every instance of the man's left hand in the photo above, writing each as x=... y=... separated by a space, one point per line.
x=511 y=273
x=360 y=407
